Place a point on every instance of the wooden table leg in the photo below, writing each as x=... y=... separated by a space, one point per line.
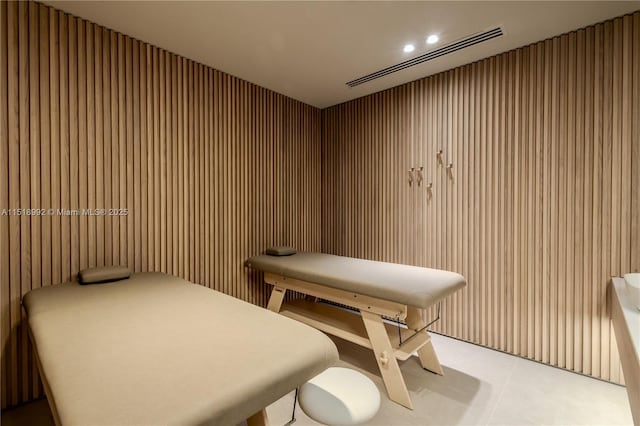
x=427 y=354
x=387 y=362
x=275 y=301
x=259 y=419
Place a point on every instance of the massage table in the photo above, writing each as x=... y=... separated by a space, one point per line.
x=376 y=289
x=154 y=349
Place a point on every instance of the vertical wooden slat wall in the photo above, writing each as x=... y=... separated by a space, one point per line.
x=535 y=197
x=212 y=169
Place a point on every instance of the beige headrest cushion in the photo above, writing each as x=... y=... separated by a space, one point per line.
x=103 y=274
x=281 y=251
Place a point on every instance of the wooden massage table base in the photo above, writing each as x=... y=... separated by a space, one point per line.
x=367 y=329
x=259 y=419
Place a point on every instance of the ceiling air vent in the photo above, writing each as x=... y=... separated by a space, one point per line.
x=433 y=54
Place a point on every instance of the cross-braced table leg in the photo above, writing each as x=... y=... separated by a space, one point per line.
x=427 y=354
x=387 y=362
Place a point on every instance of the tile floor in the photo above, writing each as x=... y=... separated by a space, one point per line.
x=480 y=387
x=483 y=387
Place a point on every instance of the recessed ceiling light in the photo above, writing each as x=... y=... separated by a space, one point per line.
x=408 y=48
x=432 y=39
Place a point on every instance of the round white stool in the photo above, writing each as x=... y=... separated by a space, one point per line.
x=339 y=396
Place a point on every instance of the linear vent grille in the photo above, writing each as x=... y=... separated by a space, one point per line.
x=433 y=54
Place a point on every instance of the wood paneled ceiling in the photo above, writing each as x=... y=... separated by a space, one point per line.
x=309 y=50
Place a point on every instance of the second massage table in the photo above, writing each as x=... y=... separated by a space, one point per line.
x=377 y=290
x=154 y=349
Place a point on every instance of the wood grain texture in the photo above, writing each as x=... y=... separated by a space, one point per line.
x=534 y=197
x=5 y=291
x=635 y=148
x=204 y=163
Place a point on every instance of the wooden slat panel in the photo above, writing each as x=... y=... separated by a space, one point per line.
x=112 y=148
x=83 y=142
x=635 y=148
x=5 y=294
x=34 y=148
x=539 y=208
x=91 y=141
x=73 y=173
x=121 y=198
x=144 y=178
x=13 y=139
x=64 y=147
x=132 y=190
x=92 y=119
x=96 y=169
x=24 y=195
